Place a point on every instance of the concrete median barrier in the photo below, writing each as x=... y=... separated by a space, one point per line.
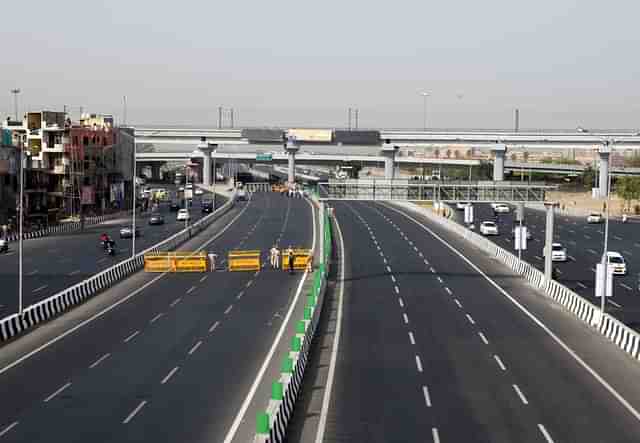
x=50 y=307
x=272 y=422
x=620 y=334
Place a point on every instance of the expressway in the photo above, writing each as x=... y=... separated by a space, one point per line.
x=436 y=349
x=172 y=362
x=56 y=262
x=584 y=243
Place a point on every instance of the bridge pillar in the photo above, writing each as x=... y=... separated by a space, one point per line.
x=155 y=172
x=603 y=182
x=206 y=149
x=388 y=151
x=500 y=152
x=292 y=148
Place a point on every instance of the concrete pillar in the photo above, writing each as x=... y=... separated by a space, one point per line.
x=388 y=151
x=206 y=149
x=603 y=182
x=292 y=148
x=499 y=151
x=548 y=264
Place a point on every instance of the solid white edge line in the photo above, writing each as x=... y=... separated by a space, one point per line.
x=523 y=399
x=535 y=319
x=51 y=397
x=326 y=399
x=545 y=433
x=100 y=360
x=427 y=397
x=169 y=375
x=8 y=428
x=134 y=412
x=254 y=387
x=113 y=306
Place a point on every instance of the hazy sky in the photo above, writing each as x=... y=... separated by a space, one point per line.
x=564 y=63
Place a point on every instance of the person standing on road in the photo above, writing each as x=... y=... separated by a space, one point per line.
x=275 y=257
x=291 y=258
x=212 y=261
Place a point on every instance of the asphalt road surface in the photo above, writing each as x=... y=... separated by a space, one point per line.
x=584 y=243
x=54 y=263
x=172 y=363
x=433 y=351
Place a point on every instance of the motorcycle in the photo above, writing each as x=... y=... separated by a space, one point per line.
x=110 y=249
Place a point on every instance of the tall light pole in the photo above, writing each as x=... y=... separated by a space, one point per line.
x=124 y=110
x=424 y=109
x=605 y=260
x=15 y=93
x=134 y=200
x=20 y=229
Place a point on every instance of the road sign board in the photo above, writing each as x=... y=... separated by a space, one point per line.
x=264 y=157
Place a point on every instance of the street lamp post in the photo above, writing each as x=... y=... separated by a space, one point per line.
x=605 y=261
x=424 y=109
x=20 y=229
x=134 y=201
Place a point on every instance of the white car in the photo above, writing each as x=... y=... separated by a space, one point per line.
x=461 y=205
x=488 y=228
x=181 y=189
x=183 y=215
x=594 y=217
x=616 y=260
x=188 y=186
x=501 y=209
x=558 y=252
x=199 y=191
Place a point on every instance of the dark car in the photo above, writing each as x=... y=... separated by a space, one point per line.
x=174 y=206
x=156 y=219
x=127 y=232
x=207 y=206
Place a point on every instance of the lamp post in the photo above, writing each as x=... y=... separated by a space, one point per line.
x=424 y=109
x=134 y=201
x=20 y=229
x=605 y=261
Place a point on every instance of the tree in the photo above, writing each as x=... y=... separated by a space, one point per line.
x=448 y=153
x=628 y=188
x=589 y=177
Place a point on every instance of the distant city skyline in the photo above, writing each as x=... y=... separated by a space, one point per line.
x=563 y=63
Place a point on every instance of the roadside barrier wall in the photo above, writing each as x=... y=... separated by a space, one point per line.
x=244 y=260
x=271 y=424
x=621 y=335
x=301 y=259
x=44 y=310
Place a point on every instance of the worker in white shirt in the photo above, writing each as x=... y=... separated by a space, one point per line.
x=212 y=261
x=275 y=257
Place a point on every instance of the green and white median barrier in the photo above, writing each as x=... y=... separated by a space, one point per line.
x=271 y=424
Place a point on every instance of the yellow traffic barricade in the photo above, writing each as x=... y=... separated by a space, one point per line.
x=244 y=260
x=175 y=262
x=301 y=259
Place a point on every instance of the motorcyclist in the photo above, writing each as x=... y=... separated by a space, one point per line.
x=554 y=273
x=104 y=239
x=624 y=217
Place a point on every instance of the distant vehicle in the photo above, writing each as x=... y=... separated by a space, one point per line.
x=207 y=205
x=4 y=245
x=513 y=232
x=181 y=189
x=501 y=209
x=461 y=205
x=242 y=195
x=558 y=252
x=156 y=219
x=174 y=206
x=183 y=215
x=141 y=181
x=188 y=186
x=594 y=217
x=489 y=228
x=127 y=232
x=617 y=261
x=198 y=191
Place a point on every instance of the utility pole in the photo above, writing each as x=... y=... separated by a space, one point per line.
x=231 y=117
x=517 y=120
x=219 y=117
x=15 y=93
x=124 y=111
x=349 y=125
x=357 y=114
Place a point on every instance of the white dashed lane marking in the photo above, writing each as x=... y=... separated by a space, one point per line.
x=470 y=319
x=499 y=361
x=154 y=319
x=520 y=394
x=395 y=288
x=191 y=289
x=134 y=412
x=401 y=302
x=169 y=375
x=448 y=290
x=228 y=309
x=405 y=318
x=52 y=396
x=214 y=326
x=412 y=338
x=195 y=347
x=545 y=433
x=418 y=363
x=427 y=397
x=100 y=360
x=458 y=303
x=131 y=337
x=175 y=302
x=8 y=428
x=483 y=338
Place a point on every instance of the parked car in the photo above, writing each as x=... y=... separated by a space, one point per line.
x=488 y=228
x=183 y=215
x=558 y=252
x=616 y=260
x=594 y=217
x=156 y=219
x=127 y=232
